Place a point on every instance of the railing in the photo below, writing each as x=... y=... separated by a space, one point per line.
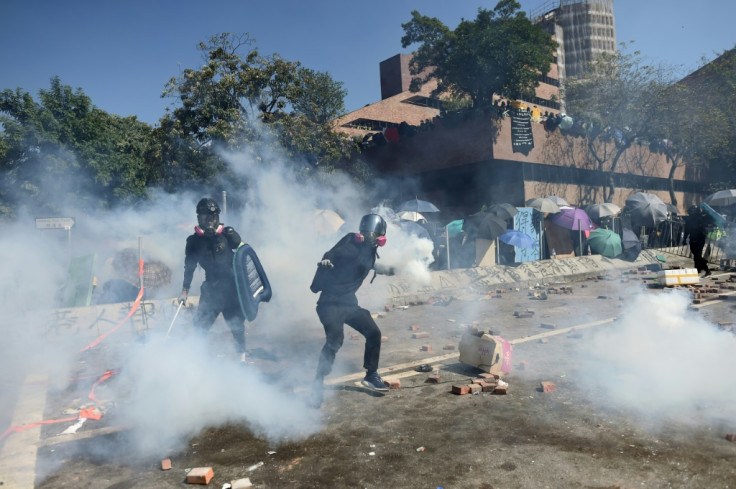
x=669 y=236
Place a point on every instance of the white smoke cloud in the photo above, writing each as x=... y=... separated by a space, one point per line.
x=168 y=390
x=663 y=362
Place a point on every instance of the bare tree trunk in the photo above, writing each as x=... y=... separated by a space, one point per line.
x=674 y=163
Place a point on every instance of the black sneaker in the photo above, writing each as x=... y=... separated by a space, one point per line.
x=373 y=381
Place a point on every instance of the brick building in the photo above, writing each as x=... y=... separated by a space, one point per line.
x=462 y=161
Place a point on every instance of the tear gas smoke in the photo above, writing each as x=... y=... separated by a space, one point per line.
x=169 y=390
x=663 y=362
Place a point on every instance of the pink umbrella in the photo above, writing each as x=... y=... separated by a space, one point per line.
x=573 y=218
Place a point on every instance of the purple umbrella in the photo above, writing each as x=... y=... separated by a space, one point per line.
x=573 y=218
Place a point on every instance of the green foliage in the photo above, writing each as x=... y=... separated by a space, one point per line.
x=240 y=98
x=63 y=151
x=499 y=53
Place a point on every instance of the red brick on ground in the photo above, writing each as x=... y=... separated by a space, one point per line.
x=448 y=346
x=426 y=347
x=548 y=386
x=420 y=335
x=433 y=379
x=475 y=388
x=166 y=464
x=460 y=389
x=200 y=475
x=392 y=383
x=414 y=327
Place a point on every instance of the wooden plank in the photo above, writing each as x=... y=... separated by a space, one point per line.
x=18 y=454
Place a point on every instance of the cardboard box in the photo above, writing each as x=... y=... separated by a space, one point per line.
x=486 y=352
x=684 y=276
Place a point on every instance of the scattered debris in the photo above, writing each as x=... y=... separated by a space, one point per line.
x=420 y=449
x=424 y=368
x=548 y=326
x=254 y=467
x=241 y=484
x=200 y=475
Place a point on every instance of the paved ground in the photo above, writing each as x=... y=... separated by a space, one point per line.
x=587 y=433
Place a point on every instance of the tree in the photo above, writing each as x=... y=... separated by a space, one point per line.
x=499 y=53
x=65 y=151
x=617 y=96
x=240 y=97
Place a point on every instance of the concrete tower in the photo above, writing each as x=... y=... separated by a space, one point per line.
x=584 y=29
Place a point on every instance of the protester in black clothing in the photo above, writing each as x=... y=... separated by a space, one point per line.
x=212 y=247
x=339 y=276
x=696 y=229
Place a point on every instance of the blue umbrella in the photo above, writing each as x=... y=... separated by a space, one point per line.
x=517 y=238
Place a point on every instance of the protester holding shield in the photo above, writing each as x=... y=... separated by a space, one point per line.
x=212 y=247
x=339 y=276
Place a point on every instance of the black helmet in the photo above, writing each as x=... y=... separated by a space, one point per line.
x=208 y=216
x=372 y=223
x=207 y=206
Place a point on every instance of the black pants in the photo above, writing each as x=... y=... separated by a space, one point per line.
x=333 y=317
x=217 y=298
x=696 y=247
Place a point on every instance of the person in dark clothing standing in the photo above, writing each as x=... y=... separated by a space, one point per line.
x=339 y=276
x=212 y=247
x=696 y=229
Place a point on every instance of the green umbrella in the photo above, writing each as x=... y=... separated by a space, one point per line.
x=605 y=242
x=454 y=228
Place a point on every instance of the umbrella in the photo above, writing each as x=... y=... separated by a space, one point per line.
x=517 y=238
x=631 y=245
x=543 y=205
x=454 y=228
x=646 y=209
x=605 y=242
x=504 y=211
x=411 y=227
x=490 y=226
x=573 y=218
x=598 y=211
x=721 y=198
x=327 y=221
x=484 y=225
x=417 y=205
x=411 y=216
x=557 y=200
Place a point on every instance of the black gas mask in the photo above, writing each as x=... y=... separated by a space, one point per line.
x=208 y=218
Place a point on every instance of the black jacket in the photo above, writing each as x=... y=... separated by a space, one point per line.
x=214 y=254
x=352 y=262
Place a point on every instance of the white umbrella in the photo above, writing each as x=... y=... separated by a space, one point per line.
x=558 y=200
x=606 y=209
x=722 y=198
x=543 y=204
x=411 y=216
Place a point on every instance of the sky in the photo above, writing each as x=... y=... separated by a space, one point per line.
x=121 y=54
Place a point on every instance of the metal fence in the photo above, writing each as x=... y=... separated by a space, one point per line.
x=670 y=236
